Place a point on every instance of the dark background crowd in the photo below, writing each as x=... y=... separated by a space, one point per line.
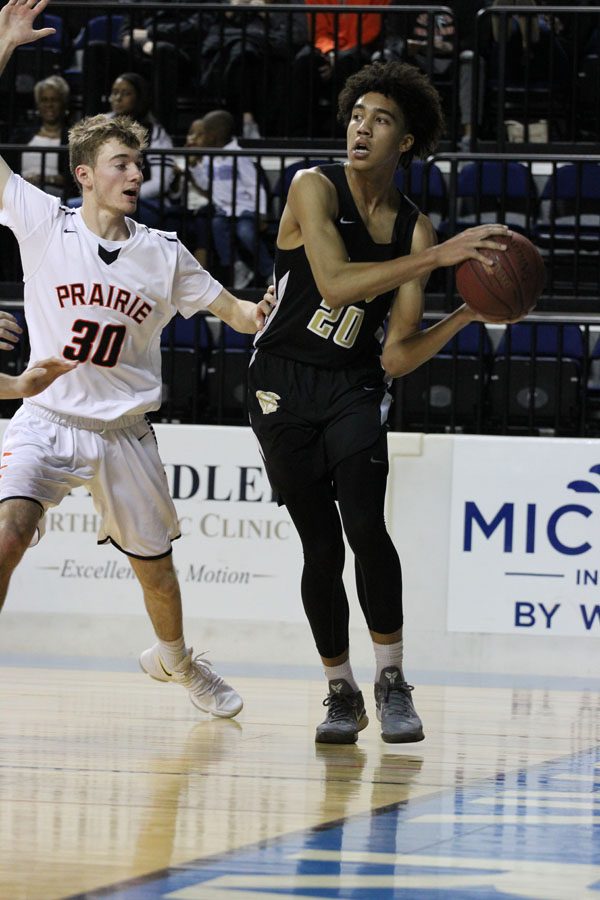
x=237 y=96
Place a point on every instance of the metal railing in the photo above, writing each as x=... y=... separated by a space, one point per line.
x=554 y=201
x=541 y=377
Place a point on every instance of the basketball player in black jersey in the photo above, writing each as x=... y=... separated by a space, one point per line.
x=351 y=252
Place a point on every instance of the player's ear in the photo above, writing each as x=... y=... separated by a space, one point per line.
x=83 y=175
x=406 y=143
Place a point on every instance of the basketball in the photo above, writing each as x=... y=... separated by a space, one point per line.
x=510 y=288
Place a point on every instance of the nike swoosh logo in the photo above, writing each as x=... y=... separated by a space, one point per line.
x=69 y=231
x=163 y=668
x=380 y=462
x=366 y=388
x=344 y=221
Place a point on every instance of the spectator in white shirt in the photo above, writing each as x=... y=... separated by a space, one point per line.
x=49 y=170
x=239 y=200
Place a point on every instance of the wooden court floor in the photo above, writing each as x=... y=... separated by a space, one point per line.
x=114 y=786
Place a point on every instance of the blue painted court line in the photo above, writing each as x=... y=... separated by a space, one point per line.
x=461 y=844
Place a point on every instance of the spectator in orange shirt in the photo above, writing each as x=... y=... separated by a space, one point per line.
x=340 y=45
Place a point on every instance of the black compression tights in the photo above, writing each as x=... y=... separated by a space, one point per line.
x=360 y=486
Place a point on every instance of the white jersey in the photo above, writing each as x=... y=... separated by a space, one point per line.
x=222 y=169
x=101 y=303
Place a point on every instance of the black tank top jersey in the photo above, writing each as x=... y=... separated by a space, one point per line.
x=303 y=327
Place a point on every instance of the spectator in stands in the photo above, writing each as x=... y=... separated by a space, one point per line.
x=535 y=60
x=166 y=50
x=465 y=17
x=577 y=31
x=428 y=41
x=244 y=61
x=338 y=46
x=49 y=171
x=188 y=215
x=239 y=202
x=130 y=96
x=442 y=42
x=530 y=44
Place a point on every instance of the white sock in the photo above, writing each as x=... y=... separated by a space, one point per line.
x=387 y=655
x=172 y=652
x=344 y=670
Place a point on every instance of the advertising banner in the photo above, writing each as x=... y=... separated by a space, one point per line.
x=525 y=536
x=238 y=555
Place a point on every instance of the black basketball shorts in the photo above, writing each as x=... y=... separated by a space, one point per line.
x=307 y=418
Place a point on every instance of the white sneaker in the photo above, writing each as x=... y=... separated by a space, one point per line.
x=208 y=691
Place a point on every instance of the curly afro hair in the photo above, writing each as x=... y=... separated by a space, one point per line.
x=413 y=93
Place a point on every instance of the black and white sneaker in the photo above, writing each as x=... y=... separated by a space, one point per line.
x=346 y=715
x=400 y=723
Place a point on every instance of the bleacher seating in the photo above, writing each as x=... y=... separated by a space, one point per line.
x=550 y=191
x=449 y=391
x=537 y=377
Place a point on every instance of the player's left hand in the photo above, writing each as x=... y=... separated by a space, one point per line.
x=265 y=307
x=16 y=22
x=478 y=317
x=10 y=330
x=41 y=374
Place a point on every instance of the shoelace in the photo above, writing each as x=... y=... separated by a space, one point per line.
x=339 y=706
x=400 y=693
x=202 y=666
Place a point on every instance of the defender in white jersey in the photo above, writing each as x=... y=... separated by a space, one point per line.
x=99 y=289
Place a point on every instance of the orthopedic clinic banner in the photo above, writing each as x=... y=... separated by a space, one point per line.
x=238 y=555
x=525 y=536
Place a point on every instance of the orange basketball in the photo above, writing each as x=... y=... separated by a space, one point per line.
x=508 y=289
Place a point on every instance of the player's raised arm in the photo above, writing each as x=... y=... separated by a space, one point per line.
x=311 y=210
x=407 y=345
x=16 y=28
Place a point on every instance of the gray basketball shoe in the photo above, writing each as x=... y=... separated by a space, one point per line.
x=345 y=717
x=207 y=690
x=400 y=723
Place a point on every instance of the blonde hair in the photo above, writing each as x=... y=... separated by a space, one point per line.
x=87 y=137
x=57 y=83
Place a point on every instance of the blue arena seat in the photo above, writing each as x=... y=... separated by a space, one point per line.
x=569 y=219
x=447 y=393
x=185 y=346
x=536 y=378
x=495 y=191
x=423 y=182
x=227 y=376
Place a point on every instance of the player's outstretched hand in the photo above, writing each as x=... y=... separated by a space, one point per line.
x=478 y=317
x=468 y=244
x=10 y=330
x=40 y=375
x=16 y=22
x=264 y=307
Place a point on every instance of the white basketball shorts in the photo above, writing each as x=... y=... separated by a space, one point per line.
x=44 y=456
